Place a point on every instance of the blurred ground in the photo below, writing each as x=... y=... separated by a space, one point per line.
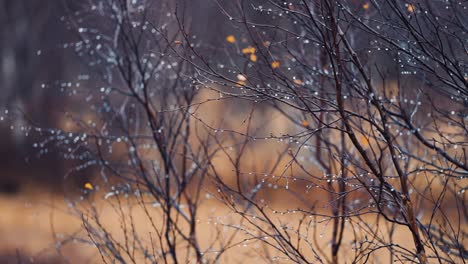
x=29 y=218
x=26 y=228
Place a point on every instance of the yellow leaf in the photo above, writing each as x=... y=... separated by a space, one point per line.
x=240 y=83
x=298 y=82
x=248 y=50
x=241 y=78
x=88 y=186
x=253 y=57
x=304 y=123
x=411 y=8
x=230 y=39
x=365 y=6
x=275 y=64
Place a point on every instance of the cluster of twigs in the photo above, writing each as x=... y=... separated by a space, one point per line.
x=374 y=99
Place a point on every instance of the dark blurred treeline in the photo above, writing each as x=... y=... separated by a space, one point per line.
x=30 y=32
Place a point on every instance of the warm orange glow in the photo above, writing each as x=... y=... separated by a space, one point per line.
x=253 y=57
x=231 y=39
x=88 y=186
x=249 y=50
x=275 y=64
